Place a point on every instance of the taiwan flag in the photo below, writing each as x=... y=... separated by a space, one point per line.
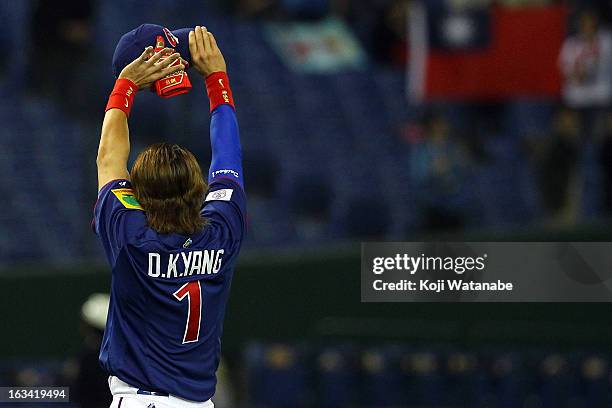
x=484 y=53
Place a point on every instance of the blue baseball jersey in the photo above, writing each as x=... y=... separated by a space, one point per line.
x=168 y=291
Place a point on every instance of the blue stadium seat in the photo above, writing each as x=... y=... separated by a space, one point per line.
x=338 y=377
x=558 y=381
x=277 y=376
x=383 y=381
x=424 y=377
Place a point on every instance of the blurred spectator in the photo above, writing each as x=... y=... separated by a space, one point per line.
x=306 y=9
x=481 y=122
x=389 y=39
x=261 y=170
x=605 y=163
x=312 y=205
x=61 y=32
x=295 y=9
x=367 y=219
x=256 y=8
x=224 y=394
x=90 y=387
x=525 y=3
x=586 y=64
x=439 y=167
x=556 y=160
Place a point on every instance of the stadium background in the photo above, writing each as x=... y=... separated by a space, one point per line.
x=334 y=154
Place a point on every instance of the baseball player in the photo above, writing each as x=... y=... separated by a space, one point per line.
x=171 y=239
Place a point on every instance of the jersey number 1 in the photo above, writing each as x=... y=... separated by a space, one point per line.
x=193 y=292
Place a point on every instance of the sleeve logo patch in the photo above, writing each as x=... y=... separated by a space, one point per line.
x=225 y=172
x=126 y=197
x=220 y=195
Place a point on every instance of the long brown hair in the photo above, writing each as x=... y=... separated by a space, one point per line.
x=168 y=183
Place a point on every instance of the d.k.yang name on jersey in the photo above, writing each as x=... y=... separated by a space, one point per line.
x=182 y=264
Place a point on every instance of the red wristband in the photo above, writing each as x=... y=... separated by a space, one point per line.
x=219 y=91
x=122 y=96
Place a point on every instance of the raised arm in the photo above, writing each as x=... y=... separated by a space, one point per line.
x=224 y=133
x=114 y=146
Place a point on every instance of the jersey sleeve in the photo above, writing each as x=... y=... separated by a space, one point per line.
x=225 y=205
x=117 y=216
x=226 y=149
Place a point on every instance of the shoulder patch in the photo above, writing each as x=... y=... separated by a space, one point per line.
x=220 y=195
x=126 y=197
